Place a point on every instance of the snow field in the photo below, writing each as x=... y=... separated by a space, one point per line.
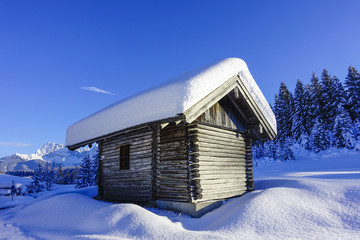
x=310 y=198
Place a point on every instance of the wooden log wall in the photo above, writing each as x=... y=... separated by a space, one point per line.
x=172 y=167
x=221 y=155
x=249 y=165
x=134 y=184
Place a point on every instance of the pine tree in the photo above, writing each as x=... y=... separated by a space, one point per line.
x=258 y=149
x=67 y=178
x=60 y=175
x=73 y=175
x=36 y=185
x=284 y=150
x=316 y=104
x=343 y=132
x=352 y=84
x=84 y=177
x=339 y=95
x=305 y=141
x=328 y=91
x=270 y=150
x=276 y=106
x=95 y=168
x=49 y=175
x=307 y=110
x=356 y=129
x=319 y=137
x=284 y=113
x=299 y=123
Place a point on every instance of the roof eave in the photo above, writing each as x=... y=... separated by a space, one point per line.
x=72 y=147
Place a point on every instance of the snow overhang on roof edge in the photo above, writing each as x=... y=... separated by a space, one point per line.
x=169 y=99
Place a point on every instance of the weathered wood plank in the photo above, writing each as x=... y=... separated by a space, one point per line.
x=141 y=144
x=214 y=196
x=216 y=132
x=222 y=189
x=216 y=129
x=238 y=179
x=219 y=154
x=195 y=139
x=226 y=193
x=215 y=145
x=218 y=149
x=219 y=159
x=204 y=164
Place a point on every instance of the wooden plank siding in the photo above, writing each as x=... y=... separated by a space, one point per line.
x=134 y=184
x=223 y=113
x=221 y=157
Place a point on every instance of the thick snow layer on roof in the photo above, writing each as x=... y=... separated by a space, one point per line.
x=167 y=100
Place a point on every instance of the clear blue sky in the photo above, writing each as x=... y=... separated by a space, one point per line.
x=49 y=50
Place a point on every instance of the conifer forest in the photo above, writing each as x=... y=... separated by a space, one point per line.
x=317 y=115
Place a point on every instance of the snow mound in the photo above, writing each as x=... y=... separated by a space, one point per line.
x=167 y=100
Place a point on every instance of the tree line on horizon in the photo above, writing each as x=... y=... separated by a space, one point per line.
x=46 y=176
x=318 y=115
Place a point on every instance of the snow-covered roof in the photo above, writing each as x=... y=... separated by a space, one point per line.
x=167 y=100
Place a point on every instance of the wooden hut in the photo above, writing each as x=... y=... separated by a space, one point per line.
x=184 y=145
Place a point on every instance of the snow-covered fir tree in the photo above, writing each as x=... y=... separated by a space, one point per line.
x=85 y=174
x=343 y=131
x=319 y=137
x=258 y=149
x=328 y=90
x=300 y=118
x=284 y=151
x=339 y=101
x=36 y=184
x=67 y=179
x=339 y=95
x=73 y=175
x=352 y=84
x=305 y=141
x=49 y=175
x=315 y=102
x=356 y=129
x=307 y=109
x=95 y=168
x=60 y=175
x=284 y=113
x=270 y=150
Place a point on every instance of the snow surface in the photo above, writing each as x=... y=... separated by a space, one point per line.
x=6 y=180
x=315 y=197
x=167 y=100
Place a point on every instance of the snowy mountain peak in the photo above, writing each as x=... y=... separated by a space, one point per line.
x=48 y=148
x=53 y=152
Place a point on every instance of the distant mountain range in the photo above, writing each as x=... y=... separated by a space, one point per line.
x=48 y=152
